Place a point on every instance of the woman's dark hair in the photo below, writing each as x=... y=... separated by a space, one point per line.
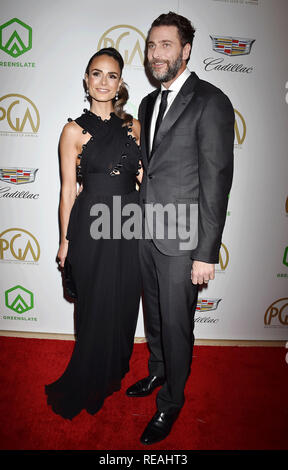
x=185 y=29
x=123 y=94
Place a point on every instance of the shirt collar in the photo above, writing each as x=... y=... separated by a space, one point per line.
x=177 y=84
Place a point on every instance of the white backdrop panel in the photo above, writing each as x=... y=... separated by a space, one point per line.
x=249 y=298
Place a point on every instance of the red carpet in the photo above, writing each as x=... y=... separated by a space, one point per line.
x=236 y=399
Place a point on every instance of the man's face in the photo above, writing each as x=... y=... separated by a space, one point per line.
x=165 y=54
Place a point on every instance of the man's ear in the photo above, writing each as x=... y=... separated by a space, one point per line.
x=186 y=51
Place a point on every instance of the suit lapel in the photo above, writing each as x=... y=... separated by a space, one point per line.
x=179 y=104
x=151 y=98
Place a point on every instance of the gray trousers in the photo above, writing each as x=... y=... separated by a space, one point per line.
x=169 y=303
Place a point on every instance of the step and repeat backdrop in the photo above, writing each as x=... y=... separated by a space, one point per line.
x=240 y=46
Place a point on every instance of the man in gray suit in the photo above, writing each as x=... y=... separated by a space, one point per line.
x=187 y=138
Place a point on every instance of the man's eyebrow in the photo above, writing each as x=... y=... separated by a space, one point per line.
x=162 y=40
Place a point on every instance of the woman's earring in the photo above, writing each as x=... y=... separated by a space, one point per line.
x=116 y=96
x=86 y=95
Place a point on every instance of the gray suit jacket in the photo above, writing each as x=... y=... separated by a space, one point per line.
x=189 y=174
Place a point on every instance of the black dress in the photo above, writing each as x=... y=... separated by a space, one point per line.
x=105 y=269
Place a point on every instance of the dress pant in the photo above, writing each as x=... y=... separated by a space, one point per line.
x=169 y=303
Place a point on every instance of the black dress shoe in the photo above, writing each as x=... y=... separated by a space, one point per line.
x=159 y=427
x=144 y=387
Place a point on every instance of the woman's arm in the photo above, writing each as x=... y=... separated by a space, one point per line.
x=136 y=133
x=68 y=159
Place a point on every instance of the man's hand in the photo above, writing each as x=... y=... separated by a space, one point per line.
x=202 y=272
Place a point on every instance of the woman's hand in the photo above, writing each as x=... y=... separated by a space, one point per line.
x=140 y=172
x=62 y=252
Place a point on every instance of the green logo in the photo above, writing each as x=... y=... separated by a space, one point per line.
x=19 y=299
x=15 y=37
x=285 y=257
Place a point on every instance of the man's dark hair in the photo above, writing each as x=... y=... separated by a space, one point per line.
x=185 y=29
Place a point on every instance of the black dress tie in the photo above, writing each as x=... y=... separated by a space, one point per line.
x=162 y=108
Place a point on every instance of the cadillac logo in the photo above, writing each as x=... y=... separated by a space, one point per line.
x=203 y=305
x=18 y=175
x=231 y=46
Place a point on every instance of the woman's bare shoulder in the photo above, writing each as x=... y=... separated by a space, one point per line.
x=71 y=134
x=71 y=129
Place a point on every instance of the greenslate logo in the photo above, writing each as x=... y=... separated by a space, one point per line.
x=19 y=299
x=15 y=37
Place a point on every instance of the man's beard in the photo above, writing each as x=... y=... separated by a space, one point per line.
x=171 y=71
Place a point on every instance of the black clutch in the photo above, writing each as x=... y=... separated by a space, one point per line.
x=69 y=282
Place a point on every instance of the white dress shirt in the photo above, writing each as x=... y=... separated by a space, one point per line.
x=174 y=89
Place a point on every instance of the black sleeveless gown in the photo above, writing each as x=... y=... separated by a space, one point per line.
x=105 y=270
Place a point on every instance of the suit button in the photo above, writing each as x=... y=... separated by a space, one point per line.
x=150 y=177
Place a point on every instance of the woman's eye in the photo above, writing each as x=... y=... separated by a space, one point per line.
x=113 y=76
x=95 y=74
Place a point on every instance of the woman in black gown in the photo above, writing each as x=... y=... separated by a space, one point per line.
x=103 y=144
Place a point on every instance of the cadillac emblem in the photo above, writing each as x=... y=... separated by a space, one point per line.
x=18 y=175
x=231 y=46
x=203 y=305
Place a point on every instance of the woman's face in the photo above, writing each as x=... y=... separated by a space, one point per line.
x=104 y=78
